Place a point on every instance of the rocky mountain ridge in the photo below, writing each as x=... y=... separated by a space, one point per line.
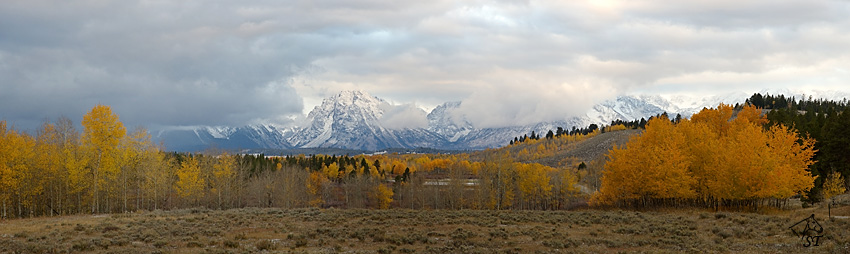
x=359 y=121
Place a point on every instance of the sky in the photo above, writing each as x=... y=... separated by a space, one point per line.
x=168 y=63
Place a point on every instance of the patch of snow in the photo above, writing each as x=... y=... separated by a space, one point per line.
x=459 y=135
x=327 y=132
x=220 y=132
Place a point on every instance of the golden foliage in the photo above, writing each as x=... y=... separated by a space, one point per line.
x=102 y=134
x=189 y=182
x=384 y=195
x=709 y=158
x=833 y=185
x=315 y=183
x=16 y=152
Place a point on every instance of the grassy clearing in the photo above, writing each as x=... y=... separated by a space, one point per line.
x=420 y=231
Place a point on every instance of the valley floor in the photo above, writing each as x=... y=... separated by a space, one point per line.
x=270 y=230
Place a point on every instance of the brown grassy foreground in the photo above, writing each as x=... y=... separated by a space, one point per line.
x=420 y=231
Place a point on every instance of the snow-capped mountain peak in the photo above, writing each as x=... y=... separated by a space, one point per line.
x=446 y=121
x=356 y=120
x=350 y=119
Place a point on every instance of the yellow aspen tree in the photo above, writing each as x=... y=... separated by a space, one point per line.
x=315 y=184
x=384 y=195
x=791 y=156
x=652 y=166
x=505 y=185
x=751 y=114
x=702 y=145
x=48 y=146
x=102 y=134
x=29 y=181
x=189 y=183
x=833 y=185
x=331 y=171
x=158 y=176
x=619 y=179
x=348 y=169
x=534 y=183
x=424 y=163
x=744 y=165
x=74 y=161
x=564 y=183
x=397 y=166
x=496 y=187
x=132 y=153
x=16 y=151
x=7 y=174
x=223 y=175
x=716 y=119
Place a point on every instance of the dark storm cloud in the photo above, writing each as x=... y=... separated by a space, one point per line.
x=166 y=63
x=182 y=63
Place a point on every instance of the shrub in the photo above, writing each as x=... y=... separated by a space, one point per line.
x=194 y=244
x=230 y=244
x=110 y=227
x=82 y=245
x=265 y=245
x=160 y=244
x=300 y=243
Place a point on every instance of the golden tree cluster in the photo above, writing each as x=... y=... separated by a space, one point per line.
x=102 y=169
x=62 y=171
x=714 y=159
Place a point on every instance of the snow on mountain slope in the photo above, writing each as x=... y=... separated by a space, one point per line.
x=445 y=121
x=202 y=138
x=353 y=120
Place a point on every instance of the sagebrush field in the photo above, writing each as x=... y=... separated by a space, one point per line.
x=315 y=230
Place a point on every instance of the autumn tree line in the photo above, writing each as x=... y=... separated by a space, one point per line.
x=718 y=158
x=105 y=169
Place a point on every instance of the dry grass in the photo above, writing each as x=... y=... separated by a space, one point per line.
x=420 y=231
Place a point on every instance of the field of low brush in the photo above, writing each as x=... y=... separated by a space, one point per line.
x=252 y=230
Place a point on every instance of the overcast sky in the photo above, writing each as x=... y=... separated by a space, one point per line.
x=193 y=62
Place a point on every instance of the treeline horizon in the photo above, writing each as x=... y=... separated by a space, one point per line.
x=105 y=169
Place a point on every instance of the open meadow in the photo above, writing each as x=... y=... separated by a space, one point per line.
x=313 y=230
x=658 y=194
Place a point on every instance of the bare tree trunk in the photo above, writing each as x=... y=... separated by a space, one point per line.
x=124 y=190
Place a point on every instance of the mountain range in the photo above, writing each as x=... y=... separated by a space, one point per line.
x=356 y=120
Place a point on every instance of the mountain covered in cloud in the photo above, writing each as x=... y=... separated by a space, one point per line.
x=358 y=121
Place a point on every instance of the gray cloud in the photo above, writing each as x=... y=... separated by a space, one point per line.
x=170 y=63
x=407 y=116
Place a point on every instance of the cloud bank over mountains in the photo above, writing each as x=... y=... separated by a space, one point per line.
x=189 y=63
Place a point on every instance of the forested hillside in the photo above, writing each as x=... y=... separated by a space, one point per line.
x=720 y=157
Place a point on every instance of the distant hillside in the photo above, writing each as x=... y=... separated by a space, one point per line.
x=559 y=150
x=589 y=149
